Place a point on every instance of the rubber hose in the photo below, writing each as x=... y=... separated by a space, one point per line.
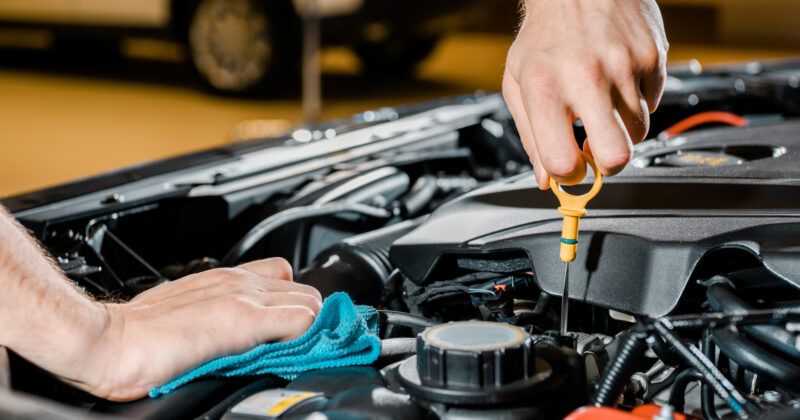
x=750 y=356
x=268 y=225
x=619 y=371
x=420 y=195
x=404 y=319
x=663 y=351
x=720 y=383
x=677 y=396
x=722 y=298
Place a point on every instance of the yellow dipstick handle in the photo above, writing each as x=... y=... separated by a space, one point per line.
x=572 y=208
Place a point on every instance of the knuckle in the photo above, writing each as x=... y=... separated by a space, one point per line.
x=620 y=62
x=509 y=89
x=590 y=70
x=308 y=301
x=649 y=56
x=309 y=291
x=301 y=317
x=614 y=162
x=283 y=268
x=508 y=83
x=618 y=53
x=560 y=166
x=315 y=304
x=537 y=79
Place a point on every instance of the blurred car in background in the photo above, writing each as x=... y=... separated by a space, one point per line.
x=245 y=45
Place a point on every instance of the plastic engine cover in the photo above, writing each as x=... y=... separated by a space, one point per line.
x=646 y=230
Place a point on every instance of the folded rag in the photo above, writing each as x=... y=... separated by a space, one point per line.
x=342 y=335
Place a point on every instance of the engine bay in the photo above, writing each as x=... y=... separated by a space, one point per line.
x=684 y=293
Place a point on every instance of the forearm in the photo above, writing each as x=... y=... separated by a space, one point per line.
x=43 y=317
x=120 y=351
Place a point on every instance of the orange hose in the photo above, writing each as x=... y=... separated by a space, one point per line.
x=703 y=118
x=642 y=412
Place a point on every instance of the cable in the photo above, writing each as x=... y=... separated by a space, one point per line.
x=268 y=225
x=703 y=118
x=773 y=316
x=707 y=402
x=447 y=288
x=722 y=386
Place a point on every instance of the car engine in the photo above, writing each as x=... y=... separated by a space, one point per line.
x=684 y=295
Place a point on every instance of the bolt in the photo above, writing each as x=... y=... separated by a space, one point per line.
x=113 y=199
x=772 y=396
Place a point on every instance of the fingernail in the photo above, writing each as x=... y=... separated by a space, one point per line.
x=541 y=178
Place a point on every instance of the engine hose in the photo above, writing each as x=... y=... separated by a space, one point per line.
x=722 y=386
x=619 y=371
x=750 y=356
x=662 y=350
x=268 y=225
x=722 y=297
x=707 y=402
x=404 y=319
x=677 y=396
x=420 y=195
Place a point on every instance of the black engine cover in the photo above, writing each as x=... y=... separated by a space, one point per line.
x=647 y=229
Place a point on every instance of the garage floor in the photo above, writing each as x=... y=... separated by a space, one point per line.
x=64 y=116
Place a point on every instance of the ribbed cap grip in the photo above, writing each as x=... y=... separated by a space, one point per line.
x=474 y=355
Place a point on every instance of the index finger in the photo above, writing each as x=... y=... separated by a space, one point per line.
x=552 y=131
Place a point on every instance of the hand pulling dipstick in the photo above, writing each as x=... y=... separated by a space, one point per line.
x=572 y=208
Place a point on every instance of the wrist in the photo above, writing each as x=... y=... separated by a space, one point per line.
x=63 y=338
x=116 y=365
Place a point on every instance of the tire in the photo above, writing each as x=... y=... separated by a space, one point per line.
x=396 y=56
x=243 y=46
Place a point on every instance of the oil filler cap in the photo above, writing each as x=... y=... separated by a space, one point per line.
x=473 y=362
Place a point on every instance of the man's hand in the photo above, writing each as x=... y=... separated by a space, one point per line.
x=600 y=61
x=120 y=351
x=173 y=327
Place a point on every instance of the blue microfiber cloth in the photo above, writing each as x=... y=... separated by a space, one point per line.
x=342 y=335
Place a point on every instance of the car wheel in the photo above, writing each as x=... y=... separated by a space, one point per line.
x=239 y=45
x=396 y=56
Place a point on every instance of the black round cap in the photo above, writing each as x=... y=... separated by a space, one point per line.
x=474 y=355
